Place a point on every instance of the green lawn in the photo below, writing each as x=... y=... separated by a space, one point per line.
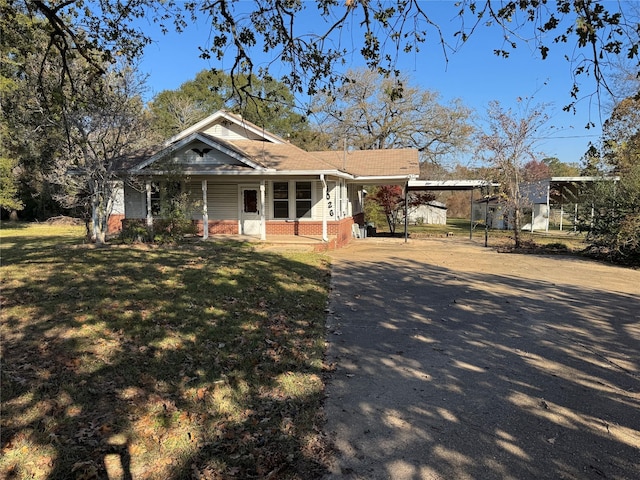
x=195 y=361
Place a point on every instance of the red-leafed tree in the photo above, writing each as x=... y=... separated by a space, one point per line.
x=390 y=199
x=535 y=170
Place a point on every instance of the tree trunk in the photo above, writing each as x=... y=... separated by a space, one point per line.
x=391 y=220
x=517 y=209
x=98 y=222
x=517 y=214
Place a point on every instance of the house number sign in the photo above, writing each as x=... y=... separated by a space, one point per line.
x=330 y=205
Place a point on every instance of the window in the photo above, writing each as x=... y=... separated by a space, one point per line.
x=163 y=196
x=155 y=199
x=250 y=201
x=303 y=199
x=280 y=200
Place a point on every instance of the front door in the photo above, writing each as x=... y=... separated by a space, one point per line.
x=250 y=215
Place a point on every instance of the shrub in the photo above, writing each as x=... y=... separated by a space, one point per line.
x=135 y=231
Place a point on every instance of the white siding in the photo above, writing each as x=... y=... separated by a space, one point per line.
x=268 y=196
x=428 y=214
x=316 y=200
x=333 y=212
x=354 y=202
x=222 y=201
x=230 y=132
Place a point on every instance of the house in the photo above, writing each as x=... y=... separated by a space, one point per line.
x=431 y=213
x=247 y=181
x=492 y=210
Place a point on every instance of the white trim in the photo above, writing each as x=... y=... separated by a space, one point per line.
x=205 y=211
x=149 y=212
x=452 y=184
x=264 y=172
x=325 y=236
x=222 y=114
x=241 y=188
x=202 y=138
x=263 y=207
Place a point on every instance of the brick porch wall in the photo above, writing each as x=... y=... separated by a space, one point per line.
x=340 y=229
x=114 y=224
x=219 y=227
x=281 y=227
x=342 y=236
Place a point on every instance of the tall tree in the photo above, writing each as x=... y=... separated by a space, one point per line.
x=267 y=103
x=508 y=143
x=369 y=112
x=599 y=30
x=561 y=169
x=105 y=123
x=31 y=136
x=613 y=213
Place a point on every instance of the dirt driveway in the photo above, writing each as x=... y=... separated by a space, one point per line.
x=457 y=362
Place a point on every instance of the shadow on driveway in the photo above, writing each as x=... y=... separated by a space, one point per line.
x=456 y=362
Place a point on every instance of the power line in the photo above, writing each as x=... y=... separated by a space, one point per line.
x=568 y=136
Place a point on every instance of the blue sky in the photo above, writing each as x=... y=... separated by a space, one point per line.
x=473 y=74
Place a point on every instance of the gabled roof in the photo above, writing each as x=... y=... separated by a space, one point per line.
x=225 y=116
x=215 y=143
x=251 y=150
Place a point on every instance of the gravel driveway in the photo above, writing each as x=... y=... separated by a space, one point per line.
x=453 y=361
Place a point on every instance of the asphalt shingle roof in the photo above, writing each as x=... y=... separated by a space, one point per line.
x=402 y=161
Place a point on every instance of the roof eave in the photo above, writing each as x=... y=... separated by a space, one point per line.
x=231 y=118
x=384 y=179
x=253 y=173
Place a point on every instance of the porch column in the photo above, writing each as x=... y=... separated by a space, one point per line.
x=263 y=225
x=325 y=237
x=205 y=212
x=406 y=212
x=149 y=213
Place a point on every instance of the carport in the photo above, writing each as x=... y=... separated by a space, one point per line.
x=448 y=185
x=558 y=191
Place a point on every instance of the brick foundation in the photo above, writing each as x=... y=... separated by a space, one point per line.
x=114 y=224
x=340 y=230
x=282 y=227
x=219 y=227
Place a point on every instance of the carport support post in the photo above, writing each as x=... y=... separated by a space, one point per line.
x=471 y=221
x=561 y=206
x=486 y=220
x=406 y=212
